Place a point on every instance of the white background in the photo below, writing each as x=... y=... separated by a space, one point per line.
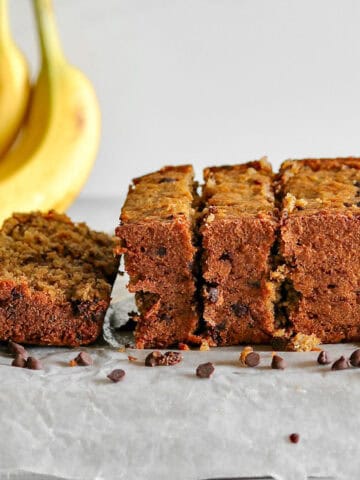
x=211 y=81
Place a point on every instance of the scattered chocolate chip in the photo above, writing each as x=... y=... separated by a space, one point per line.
x=355 y=358
x=278 y=363
x=252 y=359
x=83 y=360
x=347 y=204
x=205 y=370
x=172 y=358
x=340 y=364
x=19 y=361
x=239 y=309
x=167 y=180
x=213 y=294
x=154 y=359
x=294 y=438
x=323 y=358
x=161 y=251
x=33 y=364
x=116 y=375
x=17 y=349
x=357 y=183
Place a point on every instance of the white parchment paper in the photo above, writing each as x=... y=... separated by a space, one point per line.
x=165 y=423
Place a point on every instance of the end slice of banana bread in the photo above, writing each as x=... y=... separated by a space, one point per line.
x=55 y=280
x=238 y=232
x=320 y=247
x=157 y=234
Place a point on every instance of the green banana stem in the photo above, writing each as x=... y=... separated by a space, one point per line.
x=4 y=24
x=51 y=50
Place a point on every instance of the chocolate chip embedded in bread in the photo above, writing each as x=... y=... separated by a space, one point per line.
x=355 y=358
x=116 y=375
x=205 y=370
x=161 y=251
x=239 y=309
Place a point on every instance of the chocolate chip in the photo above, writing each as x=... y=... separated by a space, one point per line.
x=116 y=375
x=323 y=358
x=33 y=364
x=83 y=360
x=252 y=359
x=278 y=363
x=340 y=364
x=225 y=256
x=355 y=358
x=167 y=180
x=239 y=309
x=172 y=358
x=19 y=361
x=213 y=294
x=347 y=204
x=294 y=438
x=161 y=251
x=154 y=359
x=205 y=370
x=357 y=183
x=358 y=204
x=17 y=349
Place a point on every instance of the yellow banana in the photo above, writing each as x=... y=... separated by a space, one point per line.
x=14 y=83
x=49 y=164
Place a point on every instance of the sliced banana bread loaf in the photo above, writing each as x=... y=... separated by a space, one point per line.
x=238 y=232
x=320 y=247
x=55 y=280
x=157 y=237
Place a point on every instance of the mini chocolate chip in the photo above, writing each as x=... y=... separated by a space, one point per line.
x=116 y=375
x=17 y=349
x=165 y=317
x=278 y=363
x=355 y=358
x=347 y=204
x=225 y=256
x=154 y=359
x=161 y=251
x=83 y=359
x=252 y=359
x=205 y=370
x=357 y=183
x=167 y=180
x=33 y=364
x=19 y=361
x=16 y=294
x=172 y=358
x=239 y=309
x=340 y=364
x=213 y=294
x=294 y=438
x=323 y=358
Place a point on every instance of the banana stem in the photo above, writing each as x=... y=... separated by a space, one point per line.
x=50 y=45
x=4 y=23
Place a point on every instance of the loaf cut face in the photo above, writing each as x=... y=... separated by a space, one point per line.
x=55 y=280
x=158 y=238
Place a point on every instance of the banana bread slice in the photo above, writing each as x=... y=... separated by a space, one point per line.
x=158 y=240
x=320 y=247
x=55 y=280
x=238 y=232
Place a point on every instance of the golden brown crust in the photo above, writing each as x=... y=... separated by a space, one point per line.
x=55 y=280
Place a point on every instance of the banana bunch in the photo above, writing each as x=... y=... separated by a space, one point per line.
x=56 y=128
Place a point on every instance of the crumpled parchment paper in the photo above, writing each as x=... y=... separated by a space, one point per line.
x=165 y=423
